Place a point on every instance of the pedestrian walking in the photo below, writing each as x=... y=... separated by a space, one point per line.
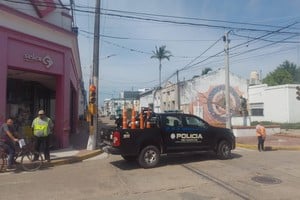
x=42 y=128
x=261 y=136
x=7 y=141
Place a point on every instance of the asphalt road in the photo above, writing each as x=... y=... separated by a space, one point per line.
x=249 y=175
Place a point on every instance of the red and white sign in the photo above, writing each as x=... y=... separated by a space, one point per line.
x=43 y=7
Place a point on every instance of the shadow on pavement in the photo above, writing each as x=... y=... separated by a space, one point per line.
x=173 y=159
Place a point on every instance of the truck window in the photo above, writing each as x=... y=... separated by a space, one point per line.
x=193 y=121
x=173 y=121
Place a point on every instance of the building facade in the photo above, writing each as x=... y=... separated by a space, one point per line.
x=274 y=103
x=40 y=66
x=128 y=100
x=203 y=96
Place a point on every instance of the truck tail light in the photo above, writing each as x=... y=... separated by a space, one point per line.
x=116 y=139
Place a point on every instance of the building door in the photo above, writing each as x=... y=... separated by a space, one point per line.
x=27 y=93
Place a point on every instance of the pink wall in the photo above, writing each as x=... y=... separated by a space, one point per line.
x=3 y=75
x=32 y=54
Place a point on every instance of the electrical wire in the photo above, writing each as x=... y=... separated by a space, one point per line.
x=160 y=20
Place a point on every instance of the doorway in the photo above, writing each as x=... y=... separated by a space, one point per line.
x=28 y=92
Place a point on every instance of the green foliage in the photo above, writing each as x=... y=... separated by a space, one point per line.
x=278 y=77
x=286 y=73
x=206 y=70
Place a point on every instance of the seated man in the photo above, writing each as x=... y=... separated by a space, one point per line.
x=7 y=140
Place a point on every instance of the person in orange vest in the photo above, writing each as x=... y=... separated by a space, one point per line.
x=261 y=136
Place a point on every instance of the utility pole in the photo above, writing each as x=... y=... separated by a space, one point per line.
x=227 y=82
x=178 y=91
x=95 y=82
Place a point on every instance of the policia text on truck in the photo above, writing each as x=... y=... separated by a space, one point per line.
x=169 y=133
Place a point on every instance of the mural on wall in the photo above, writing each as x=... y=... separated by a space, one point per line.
x=212 y=104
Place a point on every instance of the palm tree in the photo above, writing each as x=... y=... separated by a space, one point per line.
x=161 y=53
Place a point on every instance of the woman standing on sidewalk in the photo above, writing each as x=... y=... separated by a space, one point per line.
x=261 y=136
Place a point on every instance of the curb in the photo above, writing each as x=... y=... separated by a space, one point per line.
x=73 y=159
x=269 y=148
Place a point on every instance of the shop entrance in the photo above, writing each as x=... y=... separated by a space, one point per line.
x=27 y=93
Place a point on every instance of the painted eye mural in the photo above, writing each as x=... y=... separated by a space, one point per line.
x=213 y=103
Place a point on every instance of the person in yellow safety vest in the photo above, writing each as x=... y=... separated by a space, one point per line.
x=261 y=136
x=42 y=127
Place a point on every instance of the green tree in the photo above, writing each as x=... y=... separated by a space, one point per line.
x=160 y=54
x=278 y=77
x=206 y=70
x=286 y=73
x=291 y=68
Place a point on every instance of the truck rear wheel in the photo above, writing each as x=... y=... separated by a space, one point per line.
x=224 y=150
x=129 y=158
x=149 y=157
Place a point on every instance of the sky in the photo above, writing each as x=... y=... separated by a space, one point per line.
x=262 y=33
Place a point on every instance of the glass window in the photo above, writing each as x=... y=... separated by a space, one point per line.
x=257 y=112
x=173 y=121
x=193 y=121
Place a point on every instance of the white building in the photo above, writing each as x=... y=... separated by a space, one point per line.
x=274 y=103
x=128 y=99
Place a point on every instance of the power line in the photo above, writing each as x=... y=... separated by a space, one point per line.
x=221 y=52
x=127 y=48
x=265 y=40
x=261 y=47
x=187 y=66
x=167 y=21
x=188 y=18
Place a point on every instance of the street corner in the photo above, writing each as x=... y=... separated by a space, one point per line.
x=246 y=146
x=269 y=148
x=78 y=157
x=86 y=154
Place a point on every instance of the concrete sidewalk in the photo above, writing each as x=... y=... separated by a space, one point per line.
x=286 y=140
x=70 y=155
x=77 y=150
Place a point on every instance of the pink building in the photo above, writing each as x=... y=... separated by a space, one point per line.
x=40 y=66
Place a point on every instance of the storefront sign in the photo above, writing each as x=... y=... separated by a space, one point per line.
x=45 y=60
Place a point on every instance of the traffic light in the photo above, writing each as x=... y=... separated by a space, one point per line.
x=92 y=94
x=298 y=92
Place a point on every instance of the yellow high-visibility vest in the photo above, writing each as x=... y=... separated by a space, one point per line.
x=40 y=129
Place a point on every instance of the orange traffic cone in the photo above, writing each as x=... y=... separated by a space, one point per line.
x=133 y=126
x=124 y=117
x=141 y=120
x=148 y=119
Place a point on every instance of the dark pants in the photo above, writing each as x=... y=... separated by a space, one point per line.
x=44 y=142
x=10 y=149
x=261 y=142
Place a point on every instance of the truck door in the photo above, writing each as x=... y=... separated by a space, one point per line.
x=172 y=127
x=198 y=130
x=182 y=136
